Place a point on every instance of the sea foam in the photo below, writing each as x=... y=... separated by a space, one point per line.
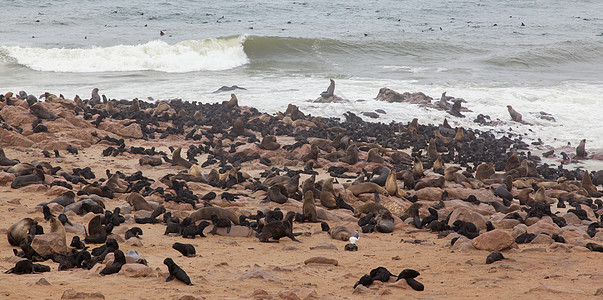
x=187 y=56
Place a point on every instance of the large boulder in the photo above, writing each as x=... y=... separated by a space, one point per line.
x=49 y=244
x=467 y=215
x=495 y=240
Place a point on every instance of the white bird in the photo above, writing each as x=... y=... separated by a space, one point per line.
x=354 y=238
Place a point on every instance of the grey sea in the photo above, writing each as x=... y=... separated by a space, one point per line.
x=538 y=56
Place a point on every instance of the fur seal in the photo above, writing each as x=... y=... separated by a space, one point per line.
x=443 y=103
x=373 y=156
x=367 y=187
x=238 y=126
x=37 y=177
x=309 y=206
x=515 y=116
x=220 y=223
x=351 y=155
x=484 y=171
x=494 y=256
x=96 y=234
x=17 y=232
x=340 y=232
x=269 y=143
x=138 y=202
x=588 y=185
x=113 y=184
x=434 y=182
x=417 y=168
x=133 y=232
x=27 y=267
x=432 y=150
x=371 y=207
x=330 y=90
x=4 y=161
x=391 y=185
x=205 y=213
x=176 y=272
x=409 y=275
x=64 y=199
x=383 y=174
x=233 y=102
x=327 y=195
x=455 y=110
x=385 y=222
x=187 y=250
x=279 y=229
x=308 y=185
x=118 y=262
x=177 y=159
x=277 y=193
x=581 y=150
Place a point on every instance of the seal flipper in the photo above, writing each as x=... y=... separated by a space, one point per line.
x=169 y=278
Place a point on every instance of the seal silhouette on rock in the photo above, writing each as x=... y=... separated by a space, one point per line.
x=330 y=90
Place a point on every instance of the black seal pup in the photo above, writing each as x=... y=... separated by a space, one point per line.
x=220 y=222
x=27 y=267
x=118 y=262
x=190 y=231
x=185 y=249
x=409 y=275
x=176 y=272
x=133 y=232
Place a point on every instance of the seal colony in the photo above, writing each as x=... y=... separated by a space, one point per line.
x=210 y=184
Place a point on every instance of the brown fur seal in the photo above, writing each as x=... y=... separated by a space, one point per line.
x=37 y=177
x=64 y=199
x=374 y=156
x=450 y=174
x=21 y=169
x=238 y=127
x=385 y=222
x=205 y=213
x=150 y=160
x=113 y=184
x=330 y=90
x=313 y=155
x=327 y=195
x=194 y=170
x=515 y=116
x=57 y=226
x=371 y=207
x=434 y=182
x=512 y=162
x=484 y=171
x=269 y=143
x=581 y=149
x=308 y=185
x=340 y=232
x=279 y=229
x=138 y=202
x=4 y=161
x=277 y=193
x=541 y=197
x=417 y=168
x=96 y=234
x=438 y=165
x=367 y=187
x=460 y=134
x=391 y=185
x=411 y=211
x=309 y=206
x=524 y=196
x=412 y=126
x=509 y=182
x=588 y=185
x=292 y=185
x=432 y=150
x=233 y=102
x=177 y=159
x=351 y=155
x=17 y=232
x=409 y=179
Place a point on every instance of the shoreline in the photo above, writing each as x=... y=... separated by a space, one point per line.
x=223 y=261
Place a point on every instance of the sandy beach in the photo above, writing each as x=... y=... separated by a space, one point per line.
x=237 y=265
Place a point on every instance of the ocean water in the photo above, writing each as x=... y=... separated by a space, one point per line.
x=540 y=55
